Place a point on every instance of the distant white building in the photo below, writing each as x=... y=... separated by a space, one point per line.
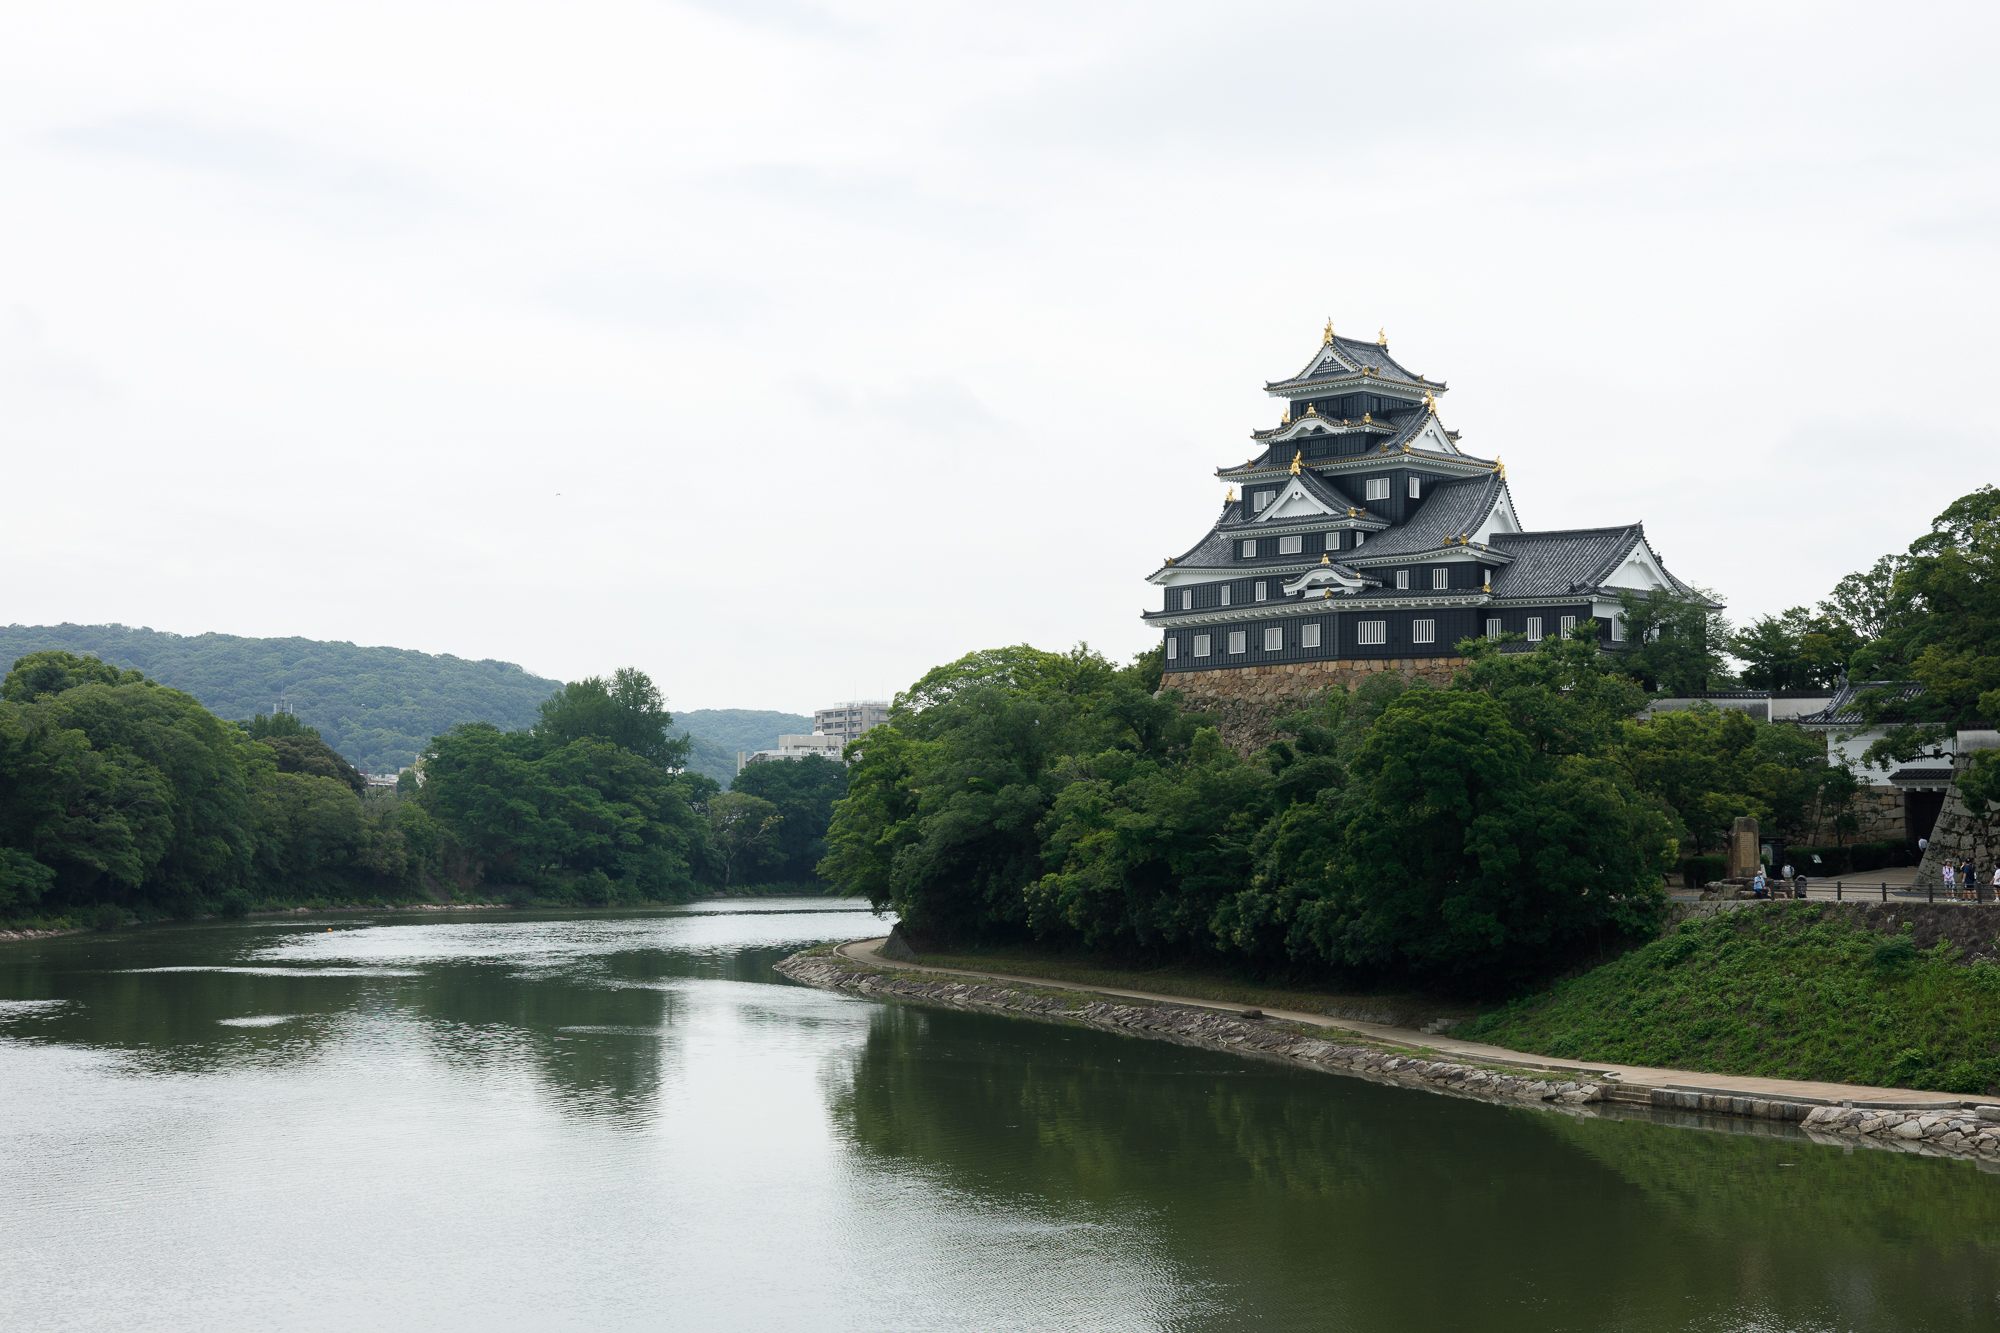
x=849 y=720
x=794 y=747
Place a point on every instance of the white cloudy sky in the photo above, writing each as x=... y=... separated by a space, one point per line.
x=786 y=349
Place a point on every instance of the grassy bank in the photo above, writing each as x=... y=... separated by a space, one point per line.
x=1193 y=983
x=1899 y=995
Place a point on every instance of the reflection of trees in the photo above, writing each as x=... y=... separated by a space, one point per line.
x=1317 y=1200
x=1804 y=1218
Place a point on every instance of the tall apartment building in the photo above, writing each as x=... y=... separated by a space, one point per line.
x=850 y=719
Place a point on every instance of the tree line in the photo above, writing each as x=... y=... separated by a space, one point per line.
x=119 y=796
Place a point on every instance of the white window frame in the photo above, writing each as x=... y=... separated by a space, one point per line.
x=1239 y=641
x=1372 y=633
x=1402 y=580
x=1333 y=541
x=1617 y=628
x=1173 y=646
x=1293 y=545
x=1376 y=488
x=1534 y=629
x=1568 y=624
x=1423 y=631
x=1249 y=549
x=1416 y=489
x=1262 y=594
x=1359 y=536
x=1440 y=578
x=1309 y=635
x=1187 y=599
x=1263 y=499
x=1225 y=595
x=1271 y=632
x=1493 y=628
x=1201 y=645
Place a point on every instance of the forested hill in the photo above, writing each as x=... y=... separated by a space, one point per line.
x=720 y=732
x=377 y=706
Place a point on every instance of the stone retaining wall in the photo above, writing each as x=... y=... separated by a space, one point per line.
x=1246 y=701
x=1942 y=1129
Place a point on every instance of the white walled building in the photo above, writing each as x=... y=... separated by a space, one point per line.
x=848 y=720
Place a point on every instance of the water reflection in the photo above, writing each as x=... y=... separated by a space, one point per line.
x=1293 y=1191
x=609 y=1123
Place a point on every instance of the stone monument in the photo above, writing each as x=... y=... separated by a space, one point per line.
x=1745 y=858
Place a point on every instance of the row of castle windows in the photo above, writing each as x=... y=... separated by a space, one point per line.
x=1261 y=590
x=1373 y=488
x=1368 y=633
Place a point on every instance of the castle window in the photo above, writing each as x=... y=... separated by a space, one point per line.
x=1238 y=639
x=1423 y=631
x=1402 y=580
x=1291 y=545
x=1274 y=640
x=1333 y=541
x=1260 y=591
x=1173 y=647
x=1617 y=629
x=1492 y=629
x=1440 y=578
x=1187 y=599
x=1534 y=629
x=1372 y=631
x=1378 y=488
x=1568 y=624
x=1264 y=498
x=1360 y=537
x=1201 y=645
x=1250 y=550
x=1416 y=489
x=1225 y=595
x=1309 y=635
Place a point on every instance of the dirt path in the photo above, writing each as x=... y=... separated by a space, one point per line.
x=1632 y=1076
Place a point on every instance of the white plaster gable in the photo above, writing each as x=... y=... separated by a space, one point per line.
x=1500 y=518
x=1325 y=578
x=1295 y=502
x=1433 y=439
x=1640 y=571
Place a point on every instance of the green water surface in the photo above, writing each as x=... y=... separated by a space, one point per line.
x=630 y=1122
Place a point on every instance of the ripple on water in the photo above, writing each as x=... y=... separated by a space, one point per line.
x=291 y=971
x=257 y=1020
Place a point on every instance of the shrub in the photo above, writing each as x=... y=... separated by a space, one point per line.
x=1699 y=870
x=108 y=918
x=1893 y=955
x=236 y=904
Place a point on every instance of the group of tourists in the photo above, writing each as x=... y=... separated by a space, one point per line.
x=1961 y=878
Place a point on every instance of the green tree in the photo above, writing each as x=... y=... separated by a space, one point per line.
x=52 y=672
x=1676 y=641
x=742 y=828
x=803 y=792
x=626 y=710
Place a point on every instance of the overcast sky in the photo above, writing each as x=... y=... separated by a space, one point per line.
x=787 y=349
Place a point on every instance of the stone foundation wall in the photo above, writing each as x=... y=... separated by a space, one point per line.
x=1882 y=816
x=1247 y=701
x=1960 y=834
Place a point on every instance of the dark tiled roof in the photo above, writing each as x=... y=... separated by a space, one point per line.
x=1557 y=564
x=1344 y=356
x=1452 y=509
x=1844 y=712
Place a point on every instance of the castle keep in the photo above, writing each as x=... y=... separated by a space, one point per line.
x=1360 y=537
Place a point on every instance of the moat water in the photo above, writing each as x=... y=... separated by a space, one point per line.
x=631 y=1122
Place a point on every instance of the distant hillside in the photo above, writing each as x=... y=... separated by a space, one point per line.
x=743 y=728
x=377 y=706
x=720 y=732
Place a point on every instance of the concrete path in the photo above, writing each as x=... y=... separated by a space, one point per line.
x=864 y=951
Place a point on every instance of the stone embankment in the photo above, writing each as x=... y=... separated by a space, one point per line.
x=1945 y=1128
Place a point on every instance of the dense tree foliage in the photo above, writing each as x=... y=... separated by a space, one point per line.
x=377 y=706
x=118 y=793
x=802 y=793
x=1469 y=837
